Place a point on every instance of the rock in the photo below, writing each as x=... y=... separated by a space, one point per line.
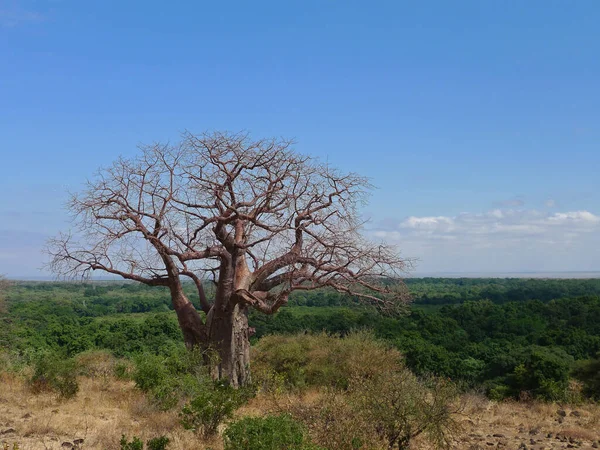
x=561 y=419
x=575 y=414
x=549 y=435
x=8 y=431
x=78 y=441
x=561 y=413
x=66 y=445
x=26 y=416
x=523 y=446
x=534 y=431
x=491 y=444
x=532 y=441
x=595 y=445
x=498 y=435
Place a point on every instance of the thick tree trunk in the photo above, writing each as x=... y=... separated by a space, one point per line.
x=229 y=336
x=193 y=329
x=225 y=331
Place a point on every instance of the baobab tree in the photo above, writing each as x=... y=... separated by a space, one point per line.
x=254 y=216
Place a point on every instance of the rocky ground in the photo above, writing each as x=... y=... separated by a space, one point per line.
x=530 y=425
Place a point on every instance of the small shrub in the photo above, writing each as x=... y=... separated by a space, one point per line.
x=266 y=433
x=169 y=393
x=268 y=380
x=332 y=422
x=499 y=392
x=400 y=407
x=158 y=443
x=149 y=372
x=209 y=408
x=51 y=373
x=135 y=444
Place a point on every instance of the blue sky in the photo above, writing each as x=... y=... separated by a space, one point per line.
x=476 y=120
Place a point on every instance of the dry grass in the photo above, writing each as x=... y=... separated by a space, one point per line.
x=103 y=411
x=99 y=414
x=581 y=434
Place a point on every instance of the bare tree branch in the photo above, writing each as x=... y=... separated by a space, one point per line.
x=259 y=217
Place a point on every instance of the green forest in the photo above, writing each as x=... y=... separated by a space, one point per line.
x=502 y=337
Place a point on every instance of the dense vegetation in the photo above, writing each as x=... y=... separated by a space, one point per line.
x=505 y=336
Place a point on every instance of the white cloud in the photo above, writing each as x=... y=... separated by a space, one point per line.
x=428 y=223
x=576 y=218
x=499 y=240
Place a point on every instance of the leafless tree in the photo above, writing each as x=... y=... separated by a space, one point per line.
x=256 y=217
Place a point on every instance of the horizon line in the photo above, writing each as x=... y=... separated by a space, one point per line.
x=558 y=274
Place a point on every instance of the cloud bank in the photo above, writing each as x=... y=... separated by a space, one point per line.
x=498 y=240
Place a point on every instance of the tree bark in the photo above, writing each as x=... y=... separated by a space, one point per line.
x=193 y=329
x=229 y=336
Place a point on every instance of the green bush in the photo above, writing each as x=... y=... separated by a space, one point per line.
x=149 y=372
x=210 y=407
x=320 y=359
x=174 y=390
x=53 y=373
x=544 y=374
x=588 y=372
x=266 y=433
x=499 y=392
x=135 y=444
x=171 y=380
x=158 y=443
